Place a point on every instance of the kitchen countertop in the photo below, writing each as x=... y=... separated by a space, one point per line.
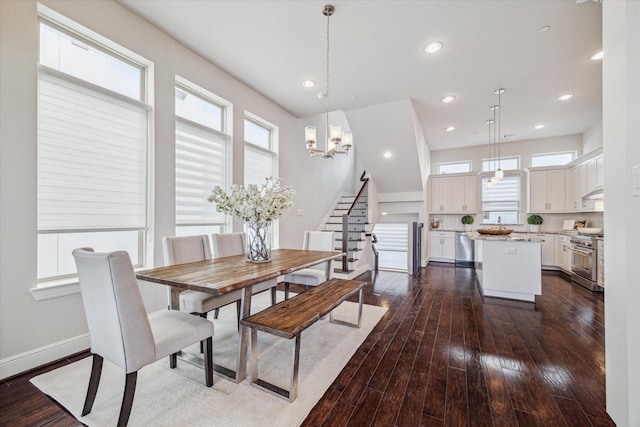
x=553 y=232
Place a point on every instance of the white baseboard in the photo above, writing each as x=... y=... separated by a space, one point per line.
x=41 y=356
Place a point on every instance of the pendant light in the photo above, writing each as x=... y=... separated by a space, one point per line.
x=494 y=179
x=333 y=133
x=499 y=174
x=489 y=122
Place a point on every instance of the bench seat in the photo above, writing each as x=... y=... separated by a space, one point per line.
x=289 y=318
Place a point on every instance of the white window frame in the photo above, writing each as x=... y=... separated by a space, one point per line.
x=463 y=162
x=573 y=153
x=225 y=131
x=274 y=137
x=490 y=163
x=62 y=285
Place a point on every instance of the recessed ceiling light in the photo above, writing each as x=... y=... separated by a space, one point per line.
x=537 y=127
x=597 y=56
x=450 y=129
x=387 y=154
x=383 y=213
x=321 y=95
x=433 y=47
x=308 y=83
x=544 y=29
x=448 y=98
x=565 y=97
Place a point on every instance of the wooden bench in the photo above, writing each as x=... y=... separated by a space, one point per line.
x=289 y=318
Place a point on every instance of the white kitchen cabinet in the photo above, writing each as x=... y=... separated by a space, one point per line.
x=599 y=171
x=453 y=195
x=563 y=252
x=442 y=246
x=548 y=249
x=573 y=203
x=441 y=195
x=547 y=192
x=600 y=271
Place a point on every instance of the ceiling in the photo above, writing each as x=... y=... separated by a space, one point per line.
x=377 y=56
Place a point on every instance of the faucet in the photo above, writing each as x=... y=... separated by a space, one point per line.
x=500 y=223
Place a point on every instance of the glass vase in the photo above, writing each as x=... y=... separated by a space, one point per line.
x=259 y=241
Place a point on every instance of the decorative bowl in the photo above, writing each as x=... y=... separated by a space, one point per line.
x=494 y=231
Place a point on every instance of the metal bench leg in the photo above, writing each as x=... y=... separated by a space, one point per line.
x=290 y=394
x=342 y=322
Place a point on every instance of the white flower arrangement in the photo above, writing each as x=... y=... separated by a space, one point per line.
x=252 y=203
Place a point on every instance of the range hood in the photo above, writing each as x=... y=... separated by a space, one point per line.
x=597 y=194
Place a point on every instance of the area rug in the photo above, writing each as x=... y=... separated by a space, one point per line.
x=178 y=397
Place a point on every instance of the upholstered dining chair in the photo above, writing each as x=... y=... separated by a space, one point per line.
x=312 y=276
x=229 y=244
x=184 y=249
x=120 y=329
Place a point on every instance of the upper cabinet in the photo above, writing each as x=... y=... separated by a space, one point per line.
x=453 y=194
x=582 y=180
x=547 y=191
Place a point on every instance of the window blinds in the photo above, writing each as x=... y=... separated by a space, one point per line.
x=92 y=158
x=392 y=237
x=503 y=197
x=201 y=159
x=258 y=165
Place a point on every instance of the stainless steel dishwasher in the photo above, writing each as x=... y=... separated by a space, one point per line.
x=464 y=250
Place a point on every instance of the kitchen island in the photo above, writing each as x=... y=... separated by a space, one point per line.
x=508 y=267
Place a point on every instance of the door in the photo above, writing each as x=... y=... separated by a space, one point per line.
x=538 y=191
x=556 y=194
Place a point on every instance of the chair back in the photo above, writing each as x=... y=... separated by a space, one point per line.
x=318 y=241
x=228 y=244
x=118 y=324
x=183 y=249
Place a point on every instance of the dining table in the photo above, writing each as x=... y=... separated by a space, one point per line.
x=227 y=274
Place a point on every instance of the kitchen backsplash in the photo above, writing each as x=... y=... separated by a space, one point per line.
x=551 y=222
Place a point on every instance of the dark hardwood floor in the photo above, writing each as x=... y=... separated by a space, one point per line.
x=441 y=356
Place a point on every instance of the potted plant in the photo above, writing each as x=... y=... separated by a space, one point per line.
x=534 y=221
x=467 y=220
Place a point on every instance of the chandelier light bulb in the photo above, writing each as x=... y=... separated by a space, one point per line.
x=499 y=174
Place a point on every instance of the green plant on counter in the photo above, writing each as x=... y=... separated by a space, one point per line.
x=534 y=220
x=467 y=220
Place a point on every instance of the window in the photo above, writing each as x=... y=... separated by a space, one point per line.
x=501 y=200
x=505 y=163
x=260 y=157
x=455 y=167
x=392 y=246
x=552 y=159
x=202 y=159
x=92 y=151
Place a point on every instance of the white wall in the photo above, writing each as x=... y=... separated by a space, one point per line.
x=592 y=138
x=507 y=149
x=27 y=326
x=621 y=136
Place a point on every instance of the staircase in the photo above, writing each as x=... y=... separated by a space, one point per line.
x=349 y=223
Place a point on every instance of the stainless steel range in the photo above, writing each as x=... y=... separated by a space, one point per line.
x=584 y=261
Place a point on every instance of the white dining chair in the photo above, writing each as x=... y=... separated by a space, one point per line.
x=312 y=276
x=229 y=244
x=120 y=330
x=184 y=249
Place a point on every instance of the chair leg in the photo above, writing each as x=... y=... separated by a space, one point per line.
x=204 y=316
x=273 y=296
x=286 y=291
x=94 y=381
x=173 y=360
x=127 y=398
x=216 y=312
x=208 y=361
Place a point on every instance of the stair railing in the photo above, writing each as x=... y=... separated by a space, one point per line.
x=354 y=221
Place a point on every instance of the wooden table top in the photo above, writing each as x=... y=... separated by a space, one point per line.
x=222 y=275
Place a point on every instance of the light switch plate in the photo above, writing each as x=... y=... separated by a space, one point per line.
x=635 y=180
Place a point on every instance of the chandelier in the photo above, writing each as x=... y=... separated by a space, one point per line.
x=334 y=136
